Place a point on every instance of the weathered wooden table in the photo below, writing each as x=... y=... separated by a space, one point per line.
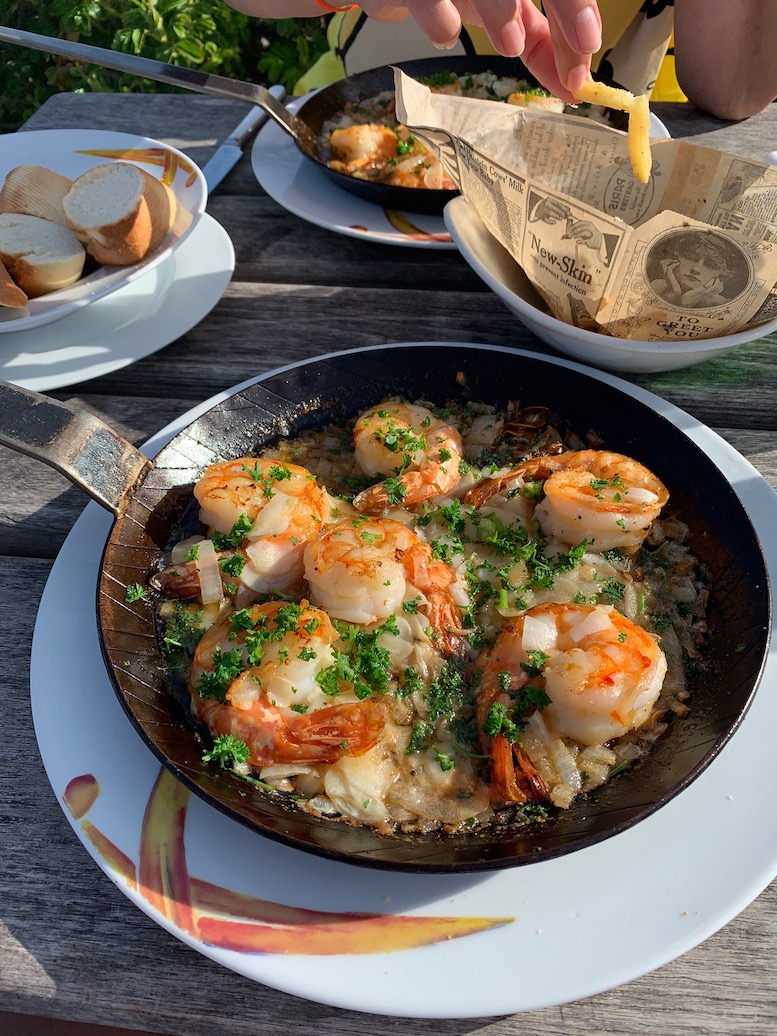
x=72 y=947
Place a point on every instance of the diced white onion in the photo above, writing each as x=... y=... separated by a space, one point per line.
x=485 y=430
x=460 y=593
x=211 y=587
x=539 y=633
x=182 y=548
x=267 y=558
x=274 y=517
x=638 y=495
x=595 y=622
x=277 y=771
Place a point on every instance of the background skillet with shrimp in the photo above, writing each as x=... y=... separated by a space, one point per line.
x=323 y=108
x=338 y=388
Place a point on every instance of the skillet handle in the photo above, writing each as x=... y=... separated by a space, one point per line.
x=81 y=446
x=178 y=75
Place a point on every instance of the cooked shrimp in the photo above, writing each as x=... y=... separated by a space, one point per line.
x=362 y=569
x=532 y=99
x=605 y=498
x=418 y=451
x=601 y=672
x=254 y=676
x=359 y=146
x=281 y=507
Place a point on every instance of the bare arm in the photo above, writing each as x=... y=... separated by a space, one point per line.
x=556 y=48
x=725 y=54
x=278 y=8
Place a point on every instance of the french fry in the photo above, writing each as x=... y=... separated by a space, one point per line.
x=639 y=139
x=639 y=121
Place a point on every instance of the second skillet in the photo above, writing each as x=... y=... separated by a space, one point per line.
x=150 y=498
x=331 y=100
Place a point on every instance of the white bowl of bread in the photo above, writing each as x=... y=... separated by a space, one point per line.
x=68 y=239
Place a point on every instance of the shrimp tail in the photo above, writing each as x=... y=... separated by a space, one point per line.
x=504 y=783
x=445 y=620
x=538 y=786
x=480 y=494
x=373 y=500
x=411 y=488
x=332 y=732
x=511 y=784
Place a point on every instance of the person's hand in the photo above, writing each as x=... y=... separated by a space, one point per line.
x=556 y=48
x=550 y=211
x=584 y=232
x=669 y=266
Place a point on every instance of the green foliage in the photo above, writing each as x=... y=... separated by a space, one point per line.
x=203 y=34
x=292 y=45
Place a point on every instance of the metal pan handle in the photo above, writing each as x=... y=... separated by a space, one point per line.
x=76 y=443
x=177 y=75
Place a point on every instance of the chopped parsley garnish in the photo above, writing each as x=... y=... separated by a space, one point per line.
x=613 y=590
x=227 y=668
x=233 y=565
x=395 y=490
x=364 y=663
x=537 y=660
x=227 y=751
x=445 y=761
x=498 y=722
x=135 y=592
x=235 y=536
x=420 y=737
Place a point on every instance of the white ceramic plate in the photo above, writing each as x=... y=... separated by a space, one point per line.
x=300 y=188
x=132 y=322
x=72 y=152
x=516 y=940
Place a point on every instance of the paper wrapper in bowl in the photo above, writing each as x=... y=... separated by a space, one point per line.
x=685 y=256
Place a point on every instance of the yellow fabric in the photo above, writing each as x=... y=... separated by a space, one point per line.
x=667 y=88
x=617 y=16
x=329 y=67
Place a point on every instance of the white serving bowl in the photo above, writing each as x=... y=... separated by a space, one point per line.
x=504 y=276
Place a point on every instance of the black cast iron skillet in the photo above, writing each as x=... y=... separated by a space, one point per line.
x=330 y=101
x=149 y=498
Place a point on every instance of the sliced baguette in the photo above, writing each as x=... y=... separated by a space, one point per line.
x=11 y=294
x=120 y=212
x=41 y=256
x=35 y=191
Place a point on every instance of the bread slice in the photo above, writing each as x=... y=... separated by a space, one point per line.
x=120 y=212
x=41 y=256
x=11 y=295
x=36 y=191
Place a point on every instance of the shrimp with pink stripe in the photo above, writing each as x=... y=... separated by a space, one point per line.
x=260 y=514
x=416 y=453
x=362 y=569
x=594 y=675
x=605 y=498
x=255 y=676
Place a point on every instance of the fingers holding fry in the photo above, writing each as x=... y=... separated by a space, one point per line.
x=639 y=121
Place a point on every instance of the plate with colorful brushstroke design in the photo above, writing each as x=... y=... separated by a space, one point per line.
x=388 y=942
x=71 y=152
